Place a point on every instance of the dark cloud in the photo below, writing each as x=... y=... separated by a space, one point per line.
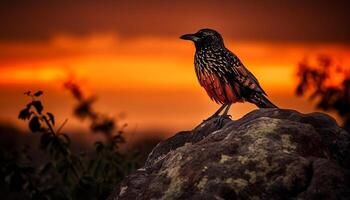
x=272 y=20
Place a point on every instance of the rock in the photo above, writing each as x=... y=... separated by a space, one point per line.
x=267 y=154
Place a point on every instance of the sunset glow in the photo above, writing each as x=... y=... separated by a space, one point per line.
x=131 y=99
x=148 y=77
x=129 y=55
x=152 y=62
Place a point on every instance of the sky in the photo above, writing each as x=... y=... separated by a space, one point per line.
x=128 y=53
x=242 y=20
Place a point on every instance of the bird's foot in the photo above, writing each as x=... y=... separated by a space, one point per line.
x=218 y=121
x=221 y=120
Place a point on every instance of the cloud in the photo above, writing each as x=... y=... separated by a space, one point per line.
x=242 y=20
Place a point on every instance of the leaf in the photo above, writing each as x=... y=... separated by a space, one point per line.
x=77 y=162
x=38 y=93
x=34 y=124
x=24 y=114
x=87 y=181
x=99 y=147
x=51 y=117
x=118 y=139
x=38 y=106
x=44 y=169
x=64 y=138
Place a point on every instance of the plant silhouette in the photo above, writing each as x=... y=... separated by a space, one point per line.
x=64 y=174
x=328 y=84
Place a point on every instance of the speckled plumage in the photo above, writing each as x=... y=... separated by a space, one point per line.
x=222 y=74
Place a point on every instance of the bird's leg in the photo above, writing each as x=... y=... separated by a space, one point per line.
x=224 y=117
x=226 y=110
x=217 y=112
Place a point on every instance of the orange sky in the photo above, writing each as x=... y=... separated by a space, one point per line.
x=127 y=52
x=151 y=80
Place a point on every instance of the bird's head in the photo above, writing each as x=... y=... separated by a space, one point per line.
x=205 y=37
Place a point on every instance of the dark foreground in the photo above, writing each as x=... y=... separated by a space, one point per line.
x=267 y=154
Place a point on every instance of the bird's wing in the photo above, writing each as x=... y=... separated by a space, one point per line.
x=241 y=74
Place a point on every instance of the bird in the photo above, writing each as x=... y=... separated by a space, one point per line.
x=223 y=75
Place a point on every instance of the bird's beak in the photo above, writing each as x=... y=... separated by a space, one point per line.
x=192 y=37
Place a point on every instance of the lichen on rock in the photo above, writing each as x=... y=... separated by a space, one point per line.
x=267 y=154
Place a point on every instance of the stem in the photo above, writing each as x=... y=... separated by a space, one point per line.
x=75 y=171
x=62 y=125
x=49 y=125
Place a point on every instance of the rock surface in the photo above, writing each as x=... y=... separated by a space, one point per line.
x=267 y=154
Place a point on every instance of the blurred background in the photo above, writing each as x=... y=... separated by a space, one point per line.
x=128 y=55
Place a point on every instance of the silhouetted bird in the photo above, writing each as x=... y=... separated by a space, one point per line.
x=222 y=74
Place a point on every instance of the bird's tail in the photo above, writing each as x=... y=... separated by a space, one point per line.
x=262 y=101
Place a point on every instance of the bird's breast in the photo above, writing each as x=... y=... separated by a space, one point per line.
x=211 y=76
